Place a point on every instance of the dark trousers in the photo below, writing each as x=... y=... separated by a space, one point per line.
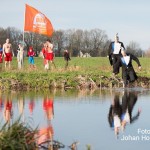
x=116 y=63
x=128 y=74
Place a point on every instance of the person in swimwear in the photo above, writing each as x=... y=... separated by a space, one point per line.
x=1 y=56
x=7 y=52
x=44 y=53
x=50 y=53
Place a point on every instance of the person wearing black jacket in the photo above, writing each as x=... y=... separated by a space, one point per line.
x=114 y=54
x=128 y=72
x=66 y=58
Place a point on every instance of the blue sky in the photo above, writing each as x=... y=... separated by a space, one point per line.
x=129 y=18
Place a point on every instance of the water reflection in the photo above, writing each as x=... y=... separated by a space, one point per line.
x=81 y=116
x=8 y=111
x=46 y=133
x=120 y=112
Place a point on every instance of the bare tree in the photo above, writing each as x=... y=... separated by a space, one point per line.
x=134 y=48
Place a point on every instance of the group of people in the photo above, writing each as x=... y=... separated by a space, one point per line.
x=47 y=54
x=119 y=58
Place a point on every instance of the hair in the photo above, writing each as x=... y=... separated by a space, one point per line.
x=48 y=40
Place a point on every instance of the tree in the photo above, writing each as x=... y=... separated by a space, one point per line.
x=134 y=48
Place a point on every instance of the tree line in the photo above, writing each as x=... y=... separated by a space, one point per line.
x=94 y=41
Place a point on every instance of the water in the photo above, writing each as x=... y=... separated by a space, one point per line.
x=83 y=116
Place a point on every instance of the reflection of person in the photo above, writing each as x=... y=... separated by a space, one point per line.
x=7 y=110
x=45 y=134
x=31 y=106
x=20 y=56
x=48 y=108
x=31 y=54
x=1 y=102
x=66 y=58
x=114 y=54
x=21 y=104
x=128 y=73
x=129 y=100
x=120 y=113
x=7 y=52
x=114 y=116
x=50 y=53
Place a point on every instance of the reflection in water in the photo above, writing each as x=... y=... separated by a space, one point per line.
x=8 y=112
x=120 y=112
x=82 y=111
x=46 y=133
x=31 y=105
x=21 y=104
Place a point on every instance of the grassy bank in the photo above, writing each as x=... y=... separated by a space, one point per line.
x=81 y=73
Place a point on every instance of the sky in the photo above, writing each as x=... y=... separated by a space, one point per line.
x=129 y=18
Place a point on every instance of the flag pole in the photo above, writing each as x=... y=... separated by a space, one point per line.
x=24 y=24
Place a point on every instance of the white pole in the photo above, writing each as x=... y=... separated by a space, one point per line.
x=24 y=24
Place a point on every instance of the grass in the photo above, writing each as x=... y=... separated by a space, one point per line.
x=94 y=67
x=17 y=136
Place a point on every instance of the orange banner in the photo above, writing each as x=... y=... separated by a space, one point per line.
x=37 y=22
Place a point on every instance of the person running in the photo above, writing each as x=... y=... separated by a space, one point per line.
x=128 y=73
x=66 y=58
x=31 y=55
x=50 y=54
x=20 y=56
x=7 y=52
x=114 y=54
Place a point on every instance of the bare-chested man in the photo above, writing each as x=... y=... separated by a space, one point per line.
x=7 y=52
x=50 y=54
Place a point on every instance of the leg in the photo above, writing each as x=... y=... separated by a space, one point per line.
x=9 y=64
x=125 y=77
x=5 y=64
x=66 y=65
x=116 y=63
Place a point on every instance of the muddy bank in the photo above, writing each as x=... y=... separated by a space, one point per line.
x=79 y=82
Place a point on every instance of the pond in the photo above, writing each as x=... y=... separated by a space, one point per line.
x=104 y=119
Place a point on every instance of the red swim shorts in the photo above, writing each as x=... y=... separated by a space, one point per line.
x=8 y=57
x=49 y=56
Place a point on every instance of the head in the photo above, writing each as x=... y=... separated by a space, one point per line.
x=30 y=48
x=7 y=40
x=116 y=38
x=49 y=41
x=19 y=45
x=116 y=130
x=45 y=45
x=123 y=125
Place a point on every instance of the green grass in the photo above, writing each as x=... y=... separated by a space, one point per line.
x=94 y=67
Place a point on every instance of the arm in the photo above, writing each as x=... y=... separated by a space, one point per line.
x=110 y=49
x=122 y=45
x=136 y=60
x=4 y=50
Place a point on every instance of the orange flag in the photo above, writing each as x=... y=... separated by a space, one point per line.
x=37 y=22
